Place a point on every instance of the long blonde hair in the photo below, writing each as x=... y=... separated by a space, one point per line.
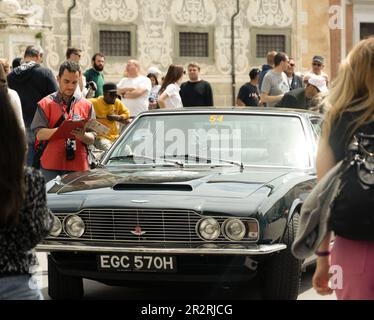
x=353 y=89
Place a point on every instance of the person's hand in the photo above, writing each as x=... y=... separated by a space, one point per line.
x=152 y=105
x=322 y=276
x=114 y=117
x=92 y=85
x=78 y=133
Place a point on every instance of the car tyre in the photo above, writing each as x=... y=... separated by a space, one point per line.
x=61 y=286
x=282 y=273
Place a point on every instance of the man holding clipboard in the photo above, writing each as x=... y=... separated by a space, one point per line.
x=60 y=122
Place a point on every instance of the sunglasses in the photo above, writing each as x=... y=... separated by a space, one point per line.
x=292 y=64
x=317 y=64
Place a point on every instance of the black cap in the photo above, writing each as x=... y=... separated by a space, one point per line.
x=109 y=87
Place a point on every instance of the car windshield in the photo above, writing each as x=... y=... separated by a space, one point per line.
x=216 y=139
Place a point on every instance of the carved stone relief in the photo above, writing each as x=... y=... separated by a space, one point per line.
x=155 y=35
x=114 y=10
x=193 y=11
x=223 y=38
x=270 y=13
x=55 y=40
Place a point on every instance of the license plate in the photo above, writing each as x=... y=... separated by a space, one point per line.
x=136 y=263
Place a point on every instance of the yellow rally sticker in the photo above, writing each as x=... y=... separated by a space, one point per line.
x=216 y=118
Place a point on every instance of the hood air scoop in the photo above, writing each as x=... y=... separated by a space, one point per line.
x=152 y=186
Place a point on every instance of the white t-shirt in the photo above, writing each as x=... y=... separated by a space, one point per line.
x=173 y=101
x=17 y=107
x=139 y=104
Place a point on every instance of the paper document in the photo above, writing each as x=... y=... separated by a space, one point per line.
x=97 y=127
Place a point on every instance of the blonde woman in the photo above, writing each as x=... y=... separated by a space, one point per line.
x=169 y=96
x=350 y=106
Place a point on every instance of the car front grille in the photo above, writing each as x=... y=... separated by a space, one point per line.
x=125 y=225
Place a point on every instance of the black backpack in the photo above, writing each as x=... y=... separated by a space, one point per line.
x=352 y=211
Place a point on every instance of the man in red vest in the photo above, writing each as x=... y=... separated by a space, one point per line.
x=63 y=155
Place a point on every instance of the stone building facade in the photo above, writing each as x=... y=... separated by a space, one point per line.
x=153 y=30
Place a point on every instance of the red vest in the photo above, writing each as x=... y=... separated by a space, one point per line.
x=54 y=156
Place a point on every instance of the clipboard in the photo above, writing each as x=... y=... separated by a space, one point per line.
x=65 y=129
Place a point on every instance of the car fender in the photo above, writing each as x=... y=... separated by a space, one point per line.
x=295 y=207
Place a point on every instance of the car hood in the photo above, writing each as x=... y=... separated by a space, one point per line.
x=221 y=182
x=194 y=189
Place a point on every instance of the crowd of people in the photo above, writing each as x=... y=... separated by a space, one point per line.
x=35 y=104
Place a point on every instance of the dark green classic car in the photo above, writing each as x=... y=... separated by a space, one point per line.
x=194 y=195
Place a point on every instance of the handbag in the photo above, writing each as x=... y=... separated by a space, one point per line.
x=352 y=211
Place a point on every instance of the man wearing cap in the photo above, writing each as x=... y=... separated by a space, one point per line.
x=304 y=98
x=109 y=110
x=318 y=65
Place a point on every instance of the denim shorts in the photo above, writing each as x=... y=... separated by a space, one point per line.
x=20 y=287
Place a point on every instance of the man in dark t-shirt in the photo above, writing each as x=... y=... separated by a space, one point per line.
x=196 y=92
x=248 y=93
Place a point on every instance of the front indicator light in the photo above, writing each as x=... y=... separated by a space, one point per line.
x=253 y=231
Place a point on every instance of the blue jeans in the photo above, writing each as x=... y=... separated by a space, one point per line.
x=30 y=146
x=19 y=287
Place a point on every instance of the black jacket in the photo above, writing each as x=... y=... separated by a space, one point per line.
x=32 y=83
x=294 y=99
x=297 y=82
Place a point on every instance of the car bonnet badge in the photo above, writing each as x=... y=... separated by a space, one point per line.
x=138 y=231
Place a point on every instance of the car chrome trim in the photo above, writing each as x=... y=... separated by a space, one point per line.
x=162 y=226
x=263 y=249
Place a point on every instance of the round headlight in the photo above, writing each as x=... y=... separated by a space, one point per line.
x=233 y=229
x=56 y=228
x=74 y=226
x=208 y=229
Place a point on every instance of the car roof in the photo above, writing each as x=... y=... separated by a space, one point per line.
x=252 y=110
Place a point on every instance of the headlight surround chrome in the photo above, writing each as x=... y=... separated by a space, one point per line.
x=74 y=226
x=56 y=227
x=208 y=229
x=234 y=229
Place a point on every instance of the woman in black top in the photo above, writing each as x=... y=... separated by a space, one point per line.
x=350 y=106
x=24 y=216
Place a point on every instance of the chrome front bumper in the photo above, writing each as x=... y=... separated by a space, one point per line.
x=253 y=250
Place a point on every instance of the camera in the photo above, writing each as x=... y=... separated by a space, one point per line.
x=70 y=147
x=91 y=85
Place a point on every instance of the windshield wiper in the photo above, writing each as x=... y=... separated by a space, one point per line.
x=133 y=156
x=208 y=160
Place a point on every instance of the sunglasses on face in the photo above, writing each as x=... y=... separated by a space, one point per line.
x=317 y=64
x=292 y=64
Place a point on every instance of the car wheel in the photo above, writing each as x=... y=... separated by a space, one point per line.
x=61 y=286
x=282 y=273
